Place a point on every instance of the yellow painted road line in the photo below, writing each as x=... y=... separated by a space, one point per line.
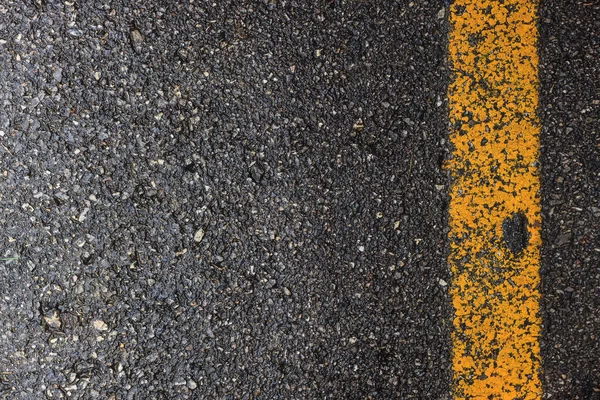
x=495 y=217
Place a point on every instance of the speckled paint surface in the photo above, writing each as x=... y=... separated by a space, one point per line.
x=495 y=199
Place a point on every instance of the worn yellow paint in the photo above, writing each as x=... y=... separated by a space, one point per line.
x=493 y=96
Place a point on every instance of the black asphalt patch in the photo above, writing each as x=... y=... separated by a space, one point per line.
x=570 y=111
x=514 y=231
x=228 y=200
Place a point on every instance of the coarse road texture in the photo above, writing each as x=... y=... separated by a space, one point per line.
x=570 y=137
x=248 y=200
x=305 y=141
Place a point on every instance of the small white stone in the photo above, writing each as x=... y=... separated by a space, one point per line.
x=199 y=235
x=100 y=325
x=53 y=320
x=441 y=13
x=83 y=215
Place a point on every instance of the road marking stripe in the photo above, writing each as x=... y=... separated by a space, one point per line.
x=495 y=219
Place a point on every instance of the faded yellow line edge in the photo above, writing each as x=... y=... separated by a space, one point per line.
x=493 y=99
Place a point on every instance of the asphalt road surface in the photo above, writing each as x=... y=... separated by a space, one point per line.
x=570 y=113
x=247 y=200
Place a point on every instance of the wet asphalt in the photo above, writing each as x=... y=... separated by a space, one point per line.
x=246 y=200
